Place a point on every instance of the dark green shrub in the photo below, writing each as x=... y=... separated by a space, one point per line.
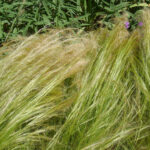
x=28 y=16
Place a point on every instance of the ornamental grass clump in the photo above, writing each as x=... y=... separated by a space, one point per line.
x=66 y=91
x=34 y=93
x=112 y=108
x=104 y=115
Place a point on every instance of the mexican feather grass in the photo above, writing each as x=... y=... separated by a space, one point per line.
x=66 y=91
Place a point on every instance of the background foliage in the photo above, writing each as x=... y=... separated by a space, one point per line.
x=28 y=16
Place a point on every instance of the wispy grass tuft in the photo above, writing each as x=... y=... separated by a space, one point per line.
x=66 y=91
x=108 y=111
x=33 y=94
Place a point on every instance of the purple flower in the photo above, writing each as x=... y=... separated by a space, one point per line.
x=140 y=24
x=127 y=24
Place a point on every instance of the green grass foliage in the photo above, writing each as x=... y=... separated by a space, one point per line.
x=63 y=90
x=28 y=16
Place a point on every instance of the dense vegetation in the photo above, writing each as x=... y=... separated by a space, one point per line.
x=67 y=91
x=28 y=16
